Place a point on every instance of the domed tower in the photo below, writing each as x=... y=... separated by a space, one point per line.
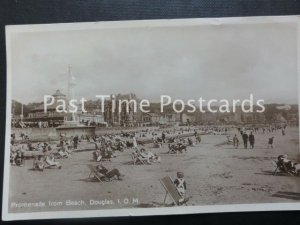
x=58 y=95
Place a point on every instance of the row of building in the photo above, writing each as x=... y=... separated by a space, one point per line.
x=125 y=118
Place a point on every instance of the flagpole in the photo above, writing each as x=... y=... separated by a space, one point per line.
x=22 y=105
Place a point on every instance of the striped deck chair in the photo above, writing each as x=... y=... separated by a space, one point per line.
x=97 y=175
x=137 y=159
x=171 y=190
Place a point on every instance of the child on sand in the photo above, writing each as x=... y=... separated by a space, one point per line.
x=180 y=185
x=235 y=141
x=270 y=142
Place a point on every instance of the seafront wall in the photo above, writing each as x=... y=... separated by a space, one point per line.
x=47 y=134
x=51 y=134
x=36 y=133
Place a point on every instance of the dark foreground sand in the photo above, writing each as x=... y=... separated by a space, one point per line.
x=214 y=175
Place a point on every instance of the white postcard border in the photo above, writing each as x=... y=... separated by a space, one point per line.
x=131 y=211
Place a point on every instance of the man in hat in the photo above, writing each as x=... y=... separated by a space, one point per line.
x=245 y=139
x=251 y=140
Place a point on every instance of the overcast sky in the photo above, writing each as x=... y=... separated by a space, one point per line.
x=223 y=61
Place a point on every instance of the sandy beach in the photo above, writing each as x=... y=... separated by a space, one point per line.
x=215 y=174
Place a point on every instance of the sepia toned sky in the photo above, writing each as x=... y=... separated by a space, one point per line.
x=220 y=61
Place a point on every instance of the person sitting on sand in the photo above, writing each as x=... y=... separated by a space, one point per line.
x=119 y=145
x=50 y=161
x=69 y=148
x=63 y=151
x=179 y=147
x=153 y=157
x=103 y=153
x=46 y=147
x=13 y=152
x=107 y=152
x=286 y=164
x=144 y=155
x=97 y=155
x=30 y=147
x=38 y=163
x=190 y=142
x=109 y=174
x=157 y=144
x=19 y=158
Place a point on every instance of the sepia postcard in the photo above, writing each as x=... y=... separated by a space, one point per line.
x=152 y=117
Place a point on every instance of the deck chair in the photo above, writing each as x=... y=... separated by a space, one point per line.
x=62 y=154
x=275 y=163
x=229 y=139
x=281 y=168
x=97 y=156
x=137 y=159
x=172 y=150
x=93 y=171
x=50 y=164
x=171 y=190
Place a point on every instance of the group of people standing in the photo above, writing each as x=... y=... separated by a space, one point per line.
x=246 y=138
x=249 y=139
